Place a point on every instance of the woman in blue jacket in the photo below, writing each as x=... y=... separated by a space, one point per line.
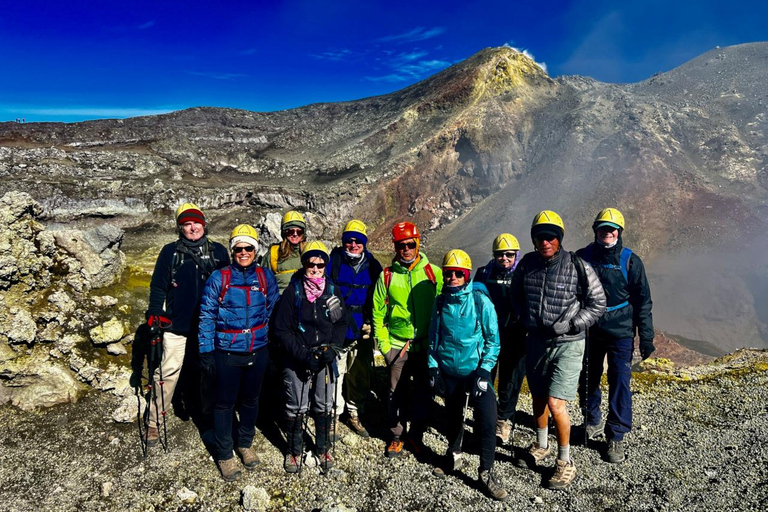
x=463 y=348
x=237 y=303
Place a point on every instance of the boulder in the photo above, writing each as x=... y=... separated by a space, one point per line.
x=110 y=331
x=36 y=383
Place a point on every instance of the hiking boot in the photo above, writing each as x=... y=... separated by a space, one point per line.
x=451 y=463
x=596 y=431
x=357 y=427
x=153 y=437
x=534 y=455
x=503 y=431
x=565 y=472
x=291 y=463
x=615 y=453
x=492 y=486
x=249 y=457
x=229 y=470
x=395 y=448
x=326 y=461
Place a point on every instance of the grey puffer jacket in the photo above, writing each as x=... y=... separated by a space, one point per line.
x=545 y=294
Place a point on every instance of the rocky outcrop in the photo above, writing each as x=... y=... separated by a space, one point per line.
x=46 y=277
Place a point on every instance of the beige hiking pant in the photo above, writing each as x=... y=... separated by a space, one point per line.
x=174 y=346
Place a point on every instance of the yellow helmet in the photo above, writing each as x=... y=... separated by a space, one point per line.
x=293 y=219
x=357 y=226
x=547 y=221
x=243 y=233
x=189 y=212
x=609 y=217
x=315 y=248
x=355 y=229
x=456 y=258
x=506 y=242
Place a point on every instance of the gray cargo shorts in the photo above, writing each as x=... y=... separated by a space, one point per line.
x=553 y=369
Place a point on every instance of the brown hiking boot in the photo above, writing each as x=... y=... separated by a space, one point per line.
x=503 y=431
x=249 y=457
x=357 y=427
x=565 y=472
x=229 y=470
x=153 y=436
x=492 y=486
x=395 y=448
x=534 y=455
x=326 y=461
x=291 y=463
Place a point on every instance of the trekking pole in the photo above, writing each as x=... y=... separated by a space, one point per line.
x=164 y=440
x=335 y=398
x=303 y=420
x=139 y=421
x=152 y=357
x=464 y=420
x=585 y=409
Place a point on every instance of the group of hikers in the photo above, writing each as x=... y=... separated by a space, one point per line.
x=313 y=318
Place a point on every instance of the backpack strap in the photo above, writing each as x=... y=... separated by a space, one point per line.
x=226 y=277
x=335 y=268
x=626 y=254
x=387 y=282
x=430 y=274
x=273 y=253
x=581 y=273
x=261 y=277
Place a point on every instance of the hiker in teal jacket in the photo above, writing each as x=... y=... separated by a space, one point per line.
x=463 y=348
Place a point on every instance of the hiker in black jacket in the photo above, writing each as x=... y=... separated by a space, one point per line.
x=558 y=297
x=174 y=299
x=628 y=296
x=310 y=323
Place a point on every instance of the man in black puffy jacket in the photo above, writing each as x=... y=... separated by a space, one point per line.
x=558 y=297
x=175 y=292
x=628 y=295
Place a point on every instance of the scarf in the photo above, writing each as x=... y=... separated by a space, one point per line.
x=314 y=287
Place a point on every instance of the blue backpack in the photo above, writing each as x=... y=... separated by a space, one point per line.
x=626 y=254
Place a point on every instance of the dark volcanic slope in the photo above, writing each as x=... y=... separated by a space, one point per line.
x=473 y=151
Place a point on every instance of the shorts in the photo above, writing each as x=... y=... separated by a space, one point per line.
x=553 y=369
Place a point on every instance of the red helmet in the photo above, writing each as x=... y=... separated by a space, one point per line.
x=404 y=231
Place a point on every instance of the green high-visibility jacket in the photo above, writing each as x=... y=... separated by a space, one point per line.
x=407 y=315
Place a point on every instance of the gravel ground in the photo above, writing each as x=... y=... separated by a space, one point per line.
x=700 y=442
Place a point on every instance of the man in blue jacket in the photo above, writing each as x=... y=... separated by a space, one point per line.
x=463 y=348
x=355 y=271
x=628 y=295
x=174 y=299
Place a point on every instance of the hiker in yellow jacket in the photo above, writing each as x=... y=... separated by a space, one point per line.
x=402 y=308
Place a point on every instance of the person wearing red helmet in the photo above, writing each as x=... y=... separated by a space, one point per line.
x=402 y=306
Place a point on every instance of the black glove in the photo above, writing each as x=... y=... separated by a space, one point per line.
x=482 y=383
x=208 y=364
x=436 y=381
x=646 y=349
x=135 y=379
x=316 y=362
x=329 y=355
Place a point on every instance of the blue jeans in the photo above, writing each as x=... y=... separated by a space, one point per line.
x=238 y=377
x=619 y=352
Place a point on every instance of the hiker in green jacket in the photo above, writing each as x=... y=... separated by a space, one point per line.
x=402 y=307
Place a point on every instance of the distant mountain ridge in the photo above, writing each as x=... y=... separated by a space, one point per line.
x=475 y=150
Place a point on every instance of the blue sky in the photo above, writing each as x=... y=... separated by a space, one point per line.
x=87 y=59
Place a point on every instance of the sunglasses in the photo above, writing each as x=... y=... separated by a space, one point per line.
x=353 y=241
x=403 y=245
x=293 y=232
x=309 y=264
x=453 y=273
x=509 y=255
x=247 y=248
x=545 y=237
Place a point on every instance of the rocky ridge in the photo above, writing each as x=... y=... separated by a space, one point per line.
x=53 y=324
x=699 y=443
